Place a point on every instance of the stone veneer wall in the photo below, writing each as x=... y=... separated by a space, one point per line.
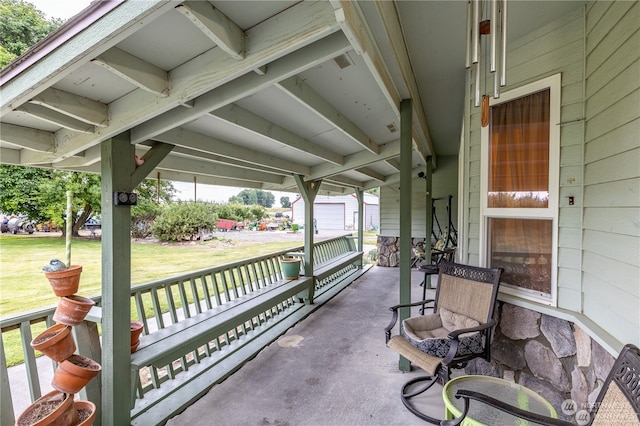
x=389 y=250
x=554 y=357
x=551 y=356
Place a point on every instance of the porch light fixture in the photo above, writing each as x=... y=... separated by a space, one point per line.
x=487 y=17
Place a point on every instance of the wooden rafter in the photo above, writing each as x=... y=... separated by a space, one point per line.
x=303 y=93
x=215 y=25
x=77 y=107
x=140 y=73
x=238 y=116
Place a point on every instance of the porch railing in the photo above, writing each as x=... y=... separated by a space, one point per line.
x=157 y=304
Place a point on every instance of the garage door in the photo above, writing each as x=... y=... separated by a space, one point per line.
x=330 y=217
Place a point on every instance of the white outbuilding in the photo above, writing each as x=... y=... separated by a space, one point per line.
x=339 y=213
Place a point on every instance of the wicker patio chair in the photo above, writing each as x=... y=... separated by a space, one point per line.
x=458 y=331
x=618 y=402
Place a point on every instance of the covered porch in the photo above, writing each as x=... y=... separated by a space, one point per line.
x=333 y=368
x=339 y=97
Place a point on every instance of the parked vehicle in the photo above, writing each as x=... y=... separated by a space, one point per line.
x=226 y=225
x=17 y=224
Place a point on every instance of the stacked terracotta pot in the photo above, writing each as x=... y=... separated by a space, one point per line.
x=74 y=371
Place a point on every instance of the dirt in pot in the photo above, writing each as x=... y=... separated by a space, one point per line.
x=83 y=414
x=44 y=338
x=40 y=411
x=83 y=362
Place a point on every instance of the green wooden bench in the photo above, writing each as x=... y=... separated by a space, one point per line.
x=326 y=269
x=230 y=334
x=333 y=259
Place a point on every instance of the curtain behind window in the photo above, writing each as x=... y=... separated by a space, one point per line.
x=519 y=152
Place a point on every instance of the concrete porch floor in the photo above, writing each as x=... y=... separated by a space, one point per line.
x=333 y=368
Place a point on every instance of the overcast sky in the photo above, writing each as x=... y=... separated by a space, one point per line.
x=64 y=9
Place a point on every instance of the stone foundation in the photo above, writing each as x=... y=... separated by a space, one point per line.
x=554 y=357
x=389 y=250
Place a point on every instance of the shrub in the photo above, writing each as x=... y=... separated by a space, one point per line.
x=183 y=221
x=142 y=218
x=373 y=255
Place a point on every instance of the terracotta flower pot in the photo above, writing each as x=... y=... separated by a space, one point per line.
x=74 y=373
x=136 y=330
x=56 y=342
x=65 y=282
x=54 y=409
x=291 y=268
x=72 y=310
x=86 y=412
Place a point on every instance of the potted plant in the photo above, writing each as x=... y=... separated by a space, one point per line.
x=74 y=373
x=291 y=268
x=136 y=330
x=72 y=309
x=55 y=408
x=56 y=342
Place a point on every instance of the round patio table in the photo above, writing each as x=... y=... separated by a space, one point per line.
x=503 y=390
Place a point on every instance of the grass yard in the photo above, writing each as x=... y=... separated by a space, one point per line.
x=23 y=286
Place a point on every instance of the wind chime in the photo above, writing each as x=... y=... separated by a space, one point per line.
x=487 y=17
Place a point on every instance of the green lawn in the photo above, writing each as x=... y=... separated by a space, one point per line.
x=23 y=286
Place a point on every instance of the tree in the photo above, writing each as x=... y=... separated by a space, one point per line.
x=152 y=195
x=236 y=200
x=255 y=196
x=21 y=26
x=284 y=202
x=20 y=190
x=52 y=198
x=41 y=195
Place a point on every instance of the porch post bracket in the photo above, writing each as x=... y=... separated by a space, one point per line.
x=152 y=158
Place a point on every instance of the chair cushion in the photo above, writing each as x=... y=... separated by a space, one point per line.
x=429 y=333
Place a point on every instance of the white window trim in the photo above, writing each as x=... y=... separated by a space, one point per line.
x=554 y=83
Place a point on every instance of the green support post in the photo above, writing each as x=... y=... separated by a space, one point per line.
x=360 y=196
x=309 y=190
x=406 y=148
x=429 y=219
x=117 y=169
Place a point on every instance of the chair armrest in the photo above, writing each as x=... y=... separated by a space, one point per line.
x=394 y=316
x=407 y=305
x=499 y=405
x=456 y=333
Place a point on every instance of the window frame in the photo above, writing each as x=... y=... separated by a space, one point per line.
x=554 y=84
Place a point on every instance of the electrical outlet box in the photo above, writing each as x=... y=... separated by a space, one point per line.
x=125 y=198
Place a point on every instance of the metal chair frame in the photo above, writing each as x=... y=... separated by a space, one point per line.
x=619 y=397
x=454 y=280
